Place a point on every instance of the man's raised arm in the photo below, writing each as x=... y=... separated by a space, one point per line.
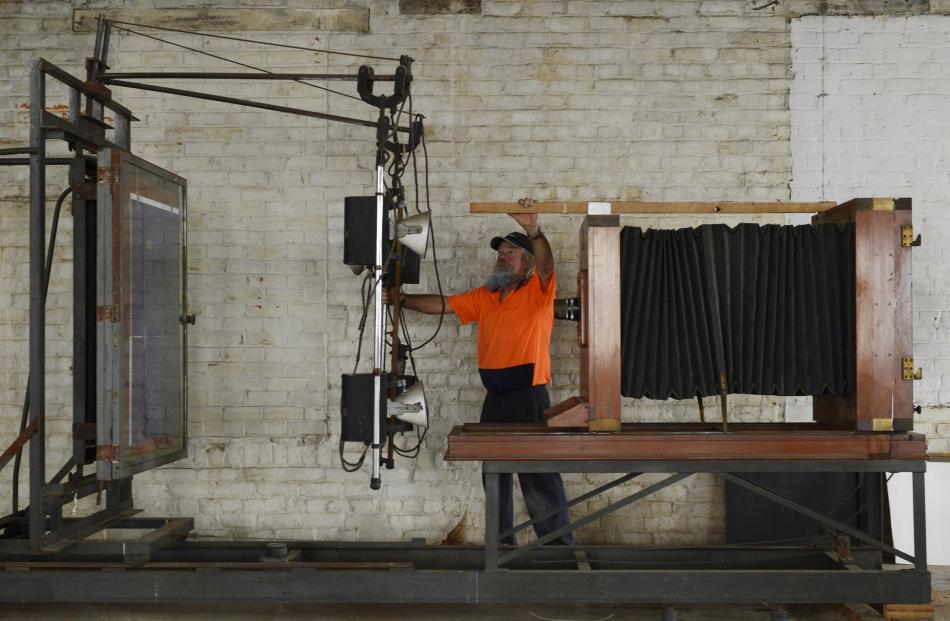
x=544 y=258
x=428 y=303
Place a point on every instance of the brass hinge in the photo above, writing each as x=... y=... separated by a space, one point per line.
x=907 y=236
x=907 y=369
x=107 y=452
x=882 y=424
x=882 y=204
x=107 y=313
x=106 y=174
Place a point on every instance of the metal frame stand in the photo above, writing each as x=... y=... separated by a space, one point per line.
x=834 y=577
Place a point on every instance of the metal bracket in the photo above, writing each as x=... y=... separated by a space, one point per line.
x=107 y=313
x=907 y=236
x=907 y=369
x=107 y=452
x=107 y=175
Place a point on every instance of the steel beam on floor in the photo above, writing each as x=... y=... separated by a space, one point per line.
x=309 y=585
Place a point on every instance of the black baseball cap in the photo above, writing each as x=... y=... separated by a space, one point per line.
x=516 y=239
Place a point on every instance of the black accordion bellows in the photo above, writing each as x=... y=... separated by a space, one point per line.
x=770 y=306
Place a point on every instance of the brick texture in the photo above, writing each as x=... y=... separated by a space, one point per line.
x=560 y=100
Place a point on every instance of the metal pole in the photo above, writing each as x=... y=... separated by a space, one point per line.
x=81 y=344
x=37 y=386
x=492 y=491
x=920 y=522
x=123 y=136
x=378 y=328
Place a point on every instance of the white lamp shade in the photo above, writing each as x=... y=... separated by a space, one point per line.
x=413 y=232
x=410 y=406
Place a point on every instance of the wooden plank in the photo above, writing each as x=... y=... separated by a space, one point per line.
x=908 y=612
x=882 y=308
x=638 y=207
x=567 y=446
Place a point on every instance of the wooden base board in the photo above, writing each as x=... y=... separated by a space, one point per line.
x=908 y=612
x=494 y=442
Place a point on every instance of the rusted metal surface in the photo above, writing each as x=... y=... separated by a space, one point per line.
x=199 y=565
x=107 y=452
x=107 y=313
x=634 y=207
x=17 y=445
x=538 y=443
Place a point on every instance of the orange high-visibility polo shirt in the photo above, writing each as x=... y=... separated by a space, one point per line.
x=514 y=334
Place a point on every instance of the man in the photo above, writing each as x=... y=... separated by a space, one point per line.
x=515 y=314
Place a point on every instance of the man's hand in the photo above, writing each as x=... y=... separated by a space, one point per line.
x=390 y=294
x=528 y=221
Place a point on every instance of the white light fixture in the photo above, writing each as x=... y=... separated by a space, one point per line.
x=410 y=406
x=413 y=232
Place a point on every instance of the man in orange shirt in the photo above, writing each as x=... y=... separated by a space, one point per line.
x=515 y=314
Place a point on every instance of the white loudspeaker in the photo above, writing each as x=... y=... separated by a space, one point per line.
x=410 y=406
x=413 y=232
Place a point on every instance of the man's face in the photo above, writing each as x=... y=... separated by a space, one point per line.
x=512 y=257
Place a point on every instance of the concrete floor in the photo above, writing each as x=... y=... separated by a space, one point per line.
x=457 y=612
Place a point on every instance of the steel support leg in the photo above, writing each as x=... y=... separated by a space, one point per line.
x=920 y=523
x=37 y=519
x=492 y=491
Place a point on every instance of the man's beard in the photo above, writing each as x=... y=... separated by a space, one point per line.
x=502 y=278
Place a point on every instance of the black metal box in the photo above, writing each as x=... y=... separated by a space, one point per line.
x=359 y=230
x=356 y=408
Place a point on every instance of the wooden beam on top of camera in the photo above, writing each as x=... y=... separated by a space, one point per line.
x=231 y=20
x=638 y=207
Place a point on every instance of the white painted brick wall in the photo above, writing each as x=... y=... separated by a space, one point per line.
x=869 y=105
x=562 y=100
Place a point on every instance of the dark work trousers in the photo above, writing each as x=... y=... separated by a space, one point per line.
x=542 y=491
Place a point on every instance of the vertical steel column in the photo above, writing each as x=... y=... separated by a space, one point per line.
x=77 y=174
x=378 y=328
x=123 y=136
x=492 y=500
x=920 y=523
x=37 y=519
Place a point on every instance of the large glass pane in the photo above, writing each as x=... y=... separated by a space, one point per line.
x=141 y=297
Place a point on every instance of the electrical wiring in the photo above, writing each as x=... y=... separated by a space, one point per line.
x=435 y=259
x=54 y=227
x=229 y=60
x=243 y=40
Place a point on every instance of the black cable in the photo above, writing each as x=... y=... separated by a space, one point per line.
x=351 y=466
x=435 y=259
x=411 y=453
x=236 y=62
x=284 y=45
x=54 y=227
x=364 y=297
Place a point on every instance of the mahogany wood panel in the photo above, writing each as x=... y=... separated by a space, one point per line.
x=633 y=207
x=599 y=283
x=883 y=319
x=543 y=443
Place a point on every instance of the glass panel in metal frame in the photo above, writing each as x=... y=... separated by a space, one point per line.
x=141 y=393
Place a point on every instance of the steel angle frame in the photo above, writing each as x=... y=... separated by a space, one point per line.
x=81 y=131
x=312 y=572
x=41 y=530
x=836 y=581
